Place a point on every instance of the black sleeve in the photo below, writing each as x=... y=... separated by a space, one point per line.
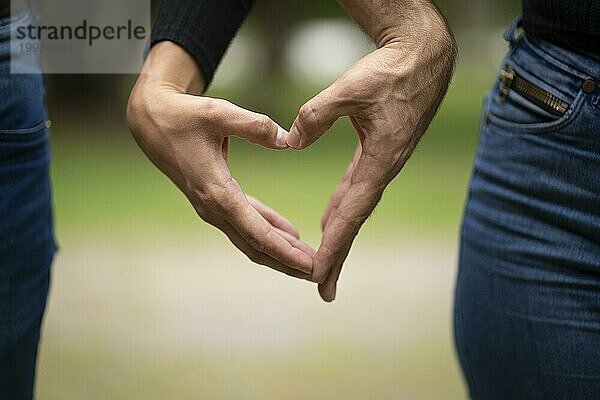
x=203 y=27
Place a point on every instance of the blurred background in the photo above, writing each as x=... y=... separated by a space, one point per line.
x=148 y=302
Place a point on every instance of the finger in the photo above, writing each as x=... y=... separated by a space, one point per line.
x=231 y=120
x=273 y=217
x=264 y=237
x=257 y=257
x=318 y=114
x=235 y=208
x=328 y=289
x=340 y=190
x=337 y=196
x=294 y=241
x=224 y=199
x=354 y=208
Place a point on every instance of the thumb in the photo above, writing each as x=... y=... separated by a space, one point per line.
x=317 y=115
x=257 y=128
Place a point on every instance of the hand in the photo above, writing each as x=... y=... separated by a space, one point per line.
x=186 y=136
x=391 y=96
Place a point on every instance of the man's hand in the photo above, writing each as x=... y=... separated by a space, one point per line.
x=391 y=96
x=186 y=136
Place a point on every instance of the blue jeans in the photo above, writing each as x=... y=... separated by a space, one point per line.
x=527 y=301
x=26 y=226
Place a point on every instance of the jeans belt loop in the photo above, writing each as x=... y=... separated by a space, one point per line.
x=511 y=34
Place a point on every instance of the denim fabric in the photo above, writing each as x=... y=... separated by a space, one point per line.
x=26 y=235
x=527 y=301
x=22 y=100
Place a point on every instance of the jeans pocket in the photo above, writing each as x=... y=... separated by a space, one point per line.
x=521 y=102
x=22 y=134
x=25 y=148
x=536 y=92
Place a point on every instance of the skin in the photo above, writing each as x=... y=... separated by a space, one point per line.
x=186 y=137
x=390 y=96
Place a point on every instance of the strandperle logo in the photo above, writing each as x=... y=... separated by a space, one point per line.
x=84 y=31
x=80 y=36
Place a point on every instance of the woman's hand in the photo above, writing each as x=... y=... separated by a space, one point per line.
x=186 y=137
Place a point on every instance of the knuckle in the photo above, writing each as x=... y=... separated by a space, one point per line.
x=263 y=125
x=255 y=241
x=319 y=275
x=354 y=222
x=308 y=117
x=211 y=111
x=258 y=240
x=358 y=85
x=327 y=258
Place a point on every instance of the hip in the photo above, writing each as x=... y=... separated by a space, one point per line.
x=534 y=198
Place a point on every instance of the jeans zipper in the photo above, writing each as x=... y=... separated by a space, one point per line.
x=530 y=91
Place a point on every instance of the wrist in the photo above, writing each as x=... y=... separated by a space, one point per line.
x=416 y=21
x=171 y=67
x=168 y=70
x=422 y=42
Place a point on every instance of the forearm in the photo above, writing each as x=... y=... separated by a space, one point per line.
x=169 y=64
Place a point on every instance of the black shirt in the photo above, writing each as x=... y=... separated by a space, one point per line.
x=205 y=27
x=569 y=23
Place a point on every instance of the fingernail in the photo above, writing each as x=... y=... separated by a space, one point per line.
x=293 y=138
x=281 y=138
